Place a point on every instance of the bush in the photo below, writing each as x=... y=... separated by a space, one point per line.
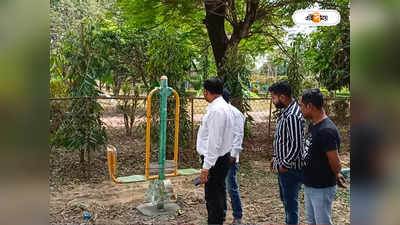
x=191 y=93
x=325 y=92
x=57 y=108
x=81 y=128
x=327 y=106
x=250 y=94
x=196 y=84
x=58 y=88
x=309 y=83
x=340 y=109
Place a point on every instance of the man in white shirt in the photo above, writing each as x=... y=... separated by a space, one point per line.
x=231 y=178
x=214 y=144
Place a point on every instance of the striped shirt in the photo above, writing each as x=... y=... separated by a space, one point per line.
x=288 y=138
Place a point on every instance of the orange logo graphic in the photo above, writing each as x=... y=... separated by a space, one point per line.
x=316 y=17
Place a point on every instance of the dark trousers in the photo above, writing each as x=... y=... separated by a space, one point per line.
x=289 y=188
x=215 y=189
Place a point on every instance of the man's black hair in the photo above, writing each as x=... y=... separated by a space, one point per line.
x=226 y=95
x=281 y=87
x=313 y=96
x=214 y=85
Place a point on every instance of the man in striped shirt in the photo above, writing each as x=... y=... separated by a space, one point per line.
x=288 y=142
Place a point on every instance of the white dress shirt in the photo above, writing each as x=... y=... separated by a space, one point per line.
x=238 y=131
x=215 y=136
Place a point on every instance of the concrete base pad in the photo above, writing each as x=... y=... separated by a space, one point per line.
x=149 y=210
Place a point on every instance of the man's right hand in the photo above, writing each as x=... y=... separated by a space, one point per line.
x=203 y=176
x=341 y=181
x=271 y=165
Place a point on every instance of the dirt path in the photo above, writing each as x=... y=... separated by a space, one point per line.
x=72 y=194
x=110 y=203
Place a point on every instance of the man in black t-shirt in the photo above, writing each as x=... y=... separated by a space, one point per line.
x=321 y=158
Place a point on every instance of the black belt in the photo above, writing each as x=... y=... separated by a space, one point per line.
x=227 y=154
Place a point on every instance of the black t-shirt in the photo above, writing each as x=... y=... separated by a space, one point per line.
x=321 y=138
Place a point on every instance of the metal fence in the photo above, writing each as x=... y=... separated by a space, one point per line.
x=131 y=148
x=261 y=109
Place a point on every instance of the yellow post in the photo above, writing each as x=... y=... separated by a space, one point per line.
x=177 y=100
x=112 y=163
x=147 y=175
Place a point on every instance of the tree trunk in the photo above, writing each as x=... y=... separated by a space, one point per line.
x=118 y=79
x=116 y=88
x=82 y=160
x=88 y=161
x=82 y=156
x=132 y=120
x=215 y=24
x=221 y=45
x=238 y=103
x=126 y=122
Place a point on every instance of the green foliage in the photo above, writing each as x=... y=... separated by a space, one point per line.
x=308 y=83
x=170 y=55
x=191 y=93
x=344 y=93
x=150 y=12
x=82 y=128
x=79 y=54
x=236 y=83
x=196 y=82
x=325 y=92
x=251 y=94
x=341 y=110
x=295 y=78
x=328 y=51
x=67 y=15
x=58 y=88
x=206 y=64
x=291 y=61
x=57 y=108
x=124 y=52
x=130 y=107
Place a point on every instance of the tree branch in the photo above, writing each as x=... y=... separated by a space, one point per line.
x=212 y=10
x=232 y=8
x=280 y=45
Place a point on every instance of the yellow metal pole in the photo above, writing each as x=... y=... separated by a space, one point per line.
x=166 y=175
x=148 y=132
x=177 y=100
x=112 y=163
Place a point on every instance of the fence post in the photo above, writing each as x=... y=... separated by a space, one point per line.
x=269 y=117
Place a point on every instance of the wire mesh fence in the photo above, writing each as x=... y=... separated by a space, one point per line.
x=124 y=113
x=131 y=148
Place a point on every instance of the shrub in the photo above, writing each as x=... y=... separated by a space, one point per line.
x=191 y=93
x=196 y=84
x=58 y=88
x=57 y=108
x=340 y=109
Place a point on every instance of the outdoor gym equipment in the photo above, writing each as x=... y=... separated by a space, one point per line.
x=160 y=189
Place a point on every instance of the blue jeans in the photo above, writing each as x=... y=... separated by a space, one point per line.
x=289 y=187
x=318 y=203
x=234 y=193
